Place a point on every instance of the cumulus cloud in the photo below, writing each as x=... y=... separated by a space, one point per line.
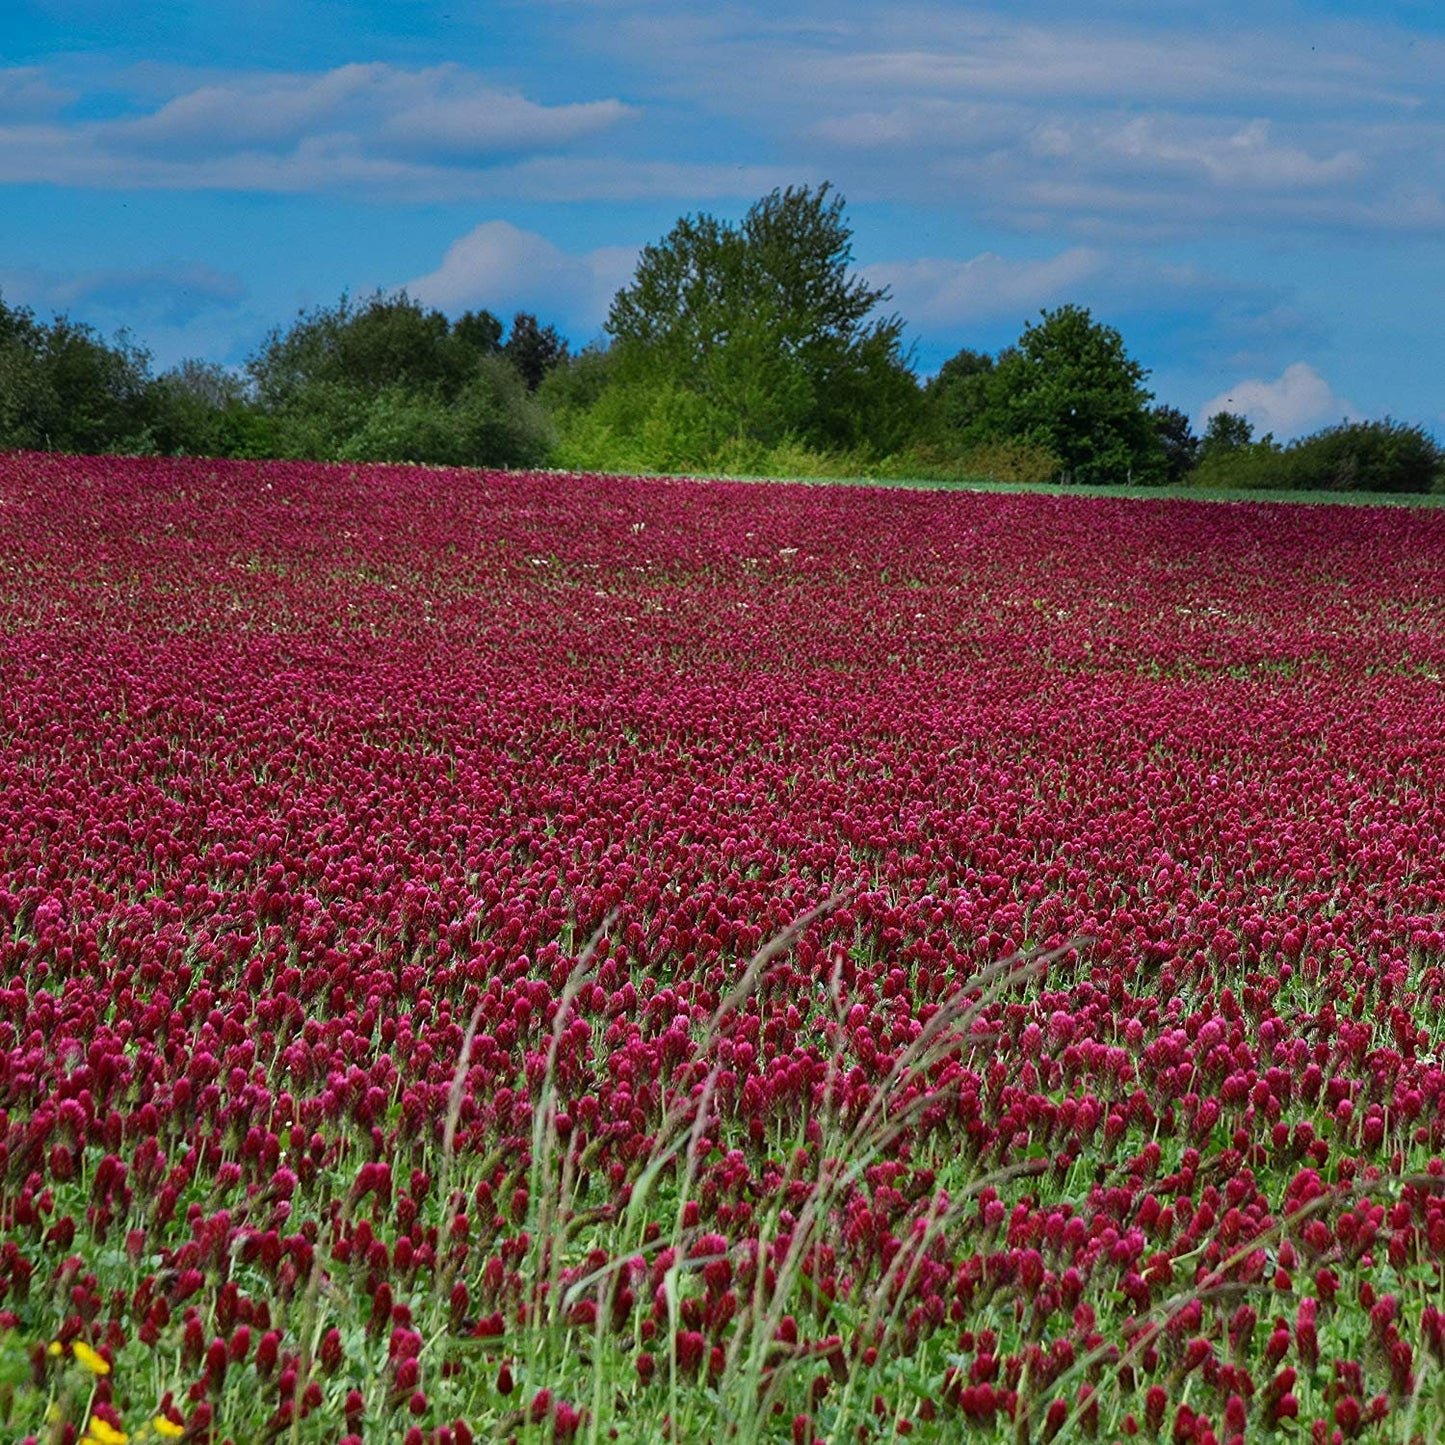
x=503 y=267
x=1295 y=401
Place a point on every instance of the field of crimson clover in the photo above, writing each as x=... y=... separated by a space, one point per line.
x=545 y=957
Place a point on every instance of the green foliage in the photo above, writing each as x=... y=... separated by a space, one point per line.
x=64 y=388
x=672 y=315
x=480 y=331
x=489 y=421
x=397 y=425
x=1067 y=400
x=1229 y=456
x=389 y=341
x=1370 y=456
x=964 y=433
x=632 y=427
x=639 y=427
x=534 y=349
x=1071 y=387
x=578 y=381
x=871 y=401
x=200 y=409
x=1258 y=465
x=1366 y=456
x=497 y=419
x=956 y=401
x=1225 y=431
x=27 y=399
x=1011 y=461
x=1176 y=437
x=765 y=330
x=392 y=381
x=748 y=348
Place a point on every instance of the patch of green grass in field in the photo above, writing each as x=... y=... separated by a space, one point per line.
x=1134 y=493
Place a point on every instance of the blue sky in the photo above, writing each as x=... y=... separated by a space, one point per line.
x=1253 y=193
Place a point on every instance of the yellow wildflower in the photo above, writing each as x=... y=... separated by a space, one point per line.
x=55 y=1349
x=96 y=1364
x=167 y=1428
x=102 y=1432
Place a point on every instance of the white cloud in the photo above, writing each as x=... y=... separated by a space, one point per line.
x=1112 y=173
x=251 y=113
x=437 y=133
x=1244 y=155
x=24 y=91
x=444 y=111
x=1137 y=127
x=936 y=292
x=171 y=293
x=748 y=51
x=324 y=165
x=502 y=267
x=617 y=179
x=441 y=134
x=1123 y=129
x=998 y=55
x=1296 y=401
x=481 y=125
x=917 y=121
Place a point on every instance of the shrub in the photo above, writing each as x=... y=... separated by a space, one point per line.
x=318 y=420
x=999 y=459
x=577 y=382
x=200 y=409
x=64 y=388
x=1011 y=461
x=1369 y=456
x=641 y=426
x=1365 y=456
x=496 y=421
x=388 y=341
x=492 y=421
x=1251 y=466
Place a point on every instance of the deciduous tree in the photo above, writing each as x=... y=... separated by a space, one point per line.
x=1072 y=387
x=768 y=323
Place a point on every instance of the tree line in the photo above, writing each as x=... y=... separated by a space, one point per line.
x=747 y=347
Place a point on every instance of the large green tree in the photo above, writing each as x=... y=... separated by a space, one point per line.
x=1070 y=386
x=766 y=325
